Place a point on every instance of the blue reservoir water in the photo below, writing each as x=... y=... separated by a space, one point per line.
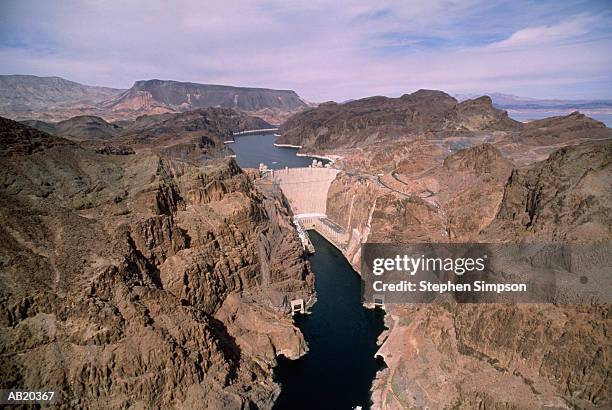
x=338 y=370
x=251 y=150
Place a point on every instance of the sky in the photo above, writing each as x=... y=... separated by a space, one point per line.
x=324 y=50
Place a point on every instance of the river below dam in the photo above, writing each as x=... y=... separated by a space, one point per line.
x=338 y=370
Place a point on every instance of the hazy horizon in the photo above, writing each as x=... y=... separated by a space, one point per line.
x=322 y=50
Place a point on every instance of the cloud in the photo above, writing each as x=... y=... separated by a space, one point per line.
x=552 y=34
x=323 y=49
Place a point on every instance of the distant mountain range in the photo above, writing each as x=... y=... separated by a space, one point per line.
x=23 y=94
x=26 y=97
x=509 y=101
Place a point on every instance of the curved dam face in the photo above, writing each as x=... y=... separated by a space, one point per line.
x=306 y=190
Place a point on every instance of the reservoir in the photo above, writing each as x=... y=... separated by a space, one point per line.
x=253 y=149
x=338 y=370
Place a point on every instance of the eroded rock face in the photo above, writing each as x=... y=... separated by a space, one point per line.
x=435 y=205
x=567 y=197
x=495 y=356
x=450 y=355
x=425 y=113
x=512 y=356
x=142 y=281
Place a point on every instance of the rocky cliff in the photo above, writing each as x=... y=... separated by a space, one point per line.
x=142 y=281
x=422 y=114
x=565 y=198
x=432 y=205
x=446 y=354
x=162 y=96
x=513 y=356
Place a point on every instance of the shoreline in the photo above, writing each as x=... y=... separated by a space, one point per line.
x=323 y=157
x=287 y=146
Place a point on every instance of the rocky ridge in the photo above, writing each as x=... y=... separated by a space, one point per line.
x=417 y=131
x=194 y=135
x=459 y=172
x=141 y=280
x=501 y=356
x=54 y=99
x=42 y=98
x=159 y=96
x=422 y=114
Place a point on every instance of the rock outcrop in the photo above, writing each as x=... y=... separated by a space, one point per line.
x=173 y=96
x=506 y=356
x=450 y=355
x=566 y=198
x=142 y=281
x=422 y=114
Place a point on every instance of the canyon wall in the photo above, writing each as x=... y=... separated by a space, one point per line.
x=512 y=356
x=142 y=281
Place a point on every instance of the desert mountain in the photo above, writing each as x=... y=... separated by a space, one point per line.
x=46 y=127
x=477 y=195
x=412 y=133
x=374 y=119
x=142 y=273
x=171 y=96
x=85 y=127
x=31 y=97
x=197 y=134
x=426 y=168
x=55 y=99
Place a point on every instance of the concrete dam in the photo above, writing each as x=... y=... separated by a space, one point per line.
x=306 y=190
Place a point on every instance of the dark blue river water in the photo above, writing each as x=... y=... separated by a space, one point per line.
x=338 y=370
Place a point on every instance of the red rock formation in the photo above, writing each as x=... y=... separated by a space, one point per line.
x=141 y=281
